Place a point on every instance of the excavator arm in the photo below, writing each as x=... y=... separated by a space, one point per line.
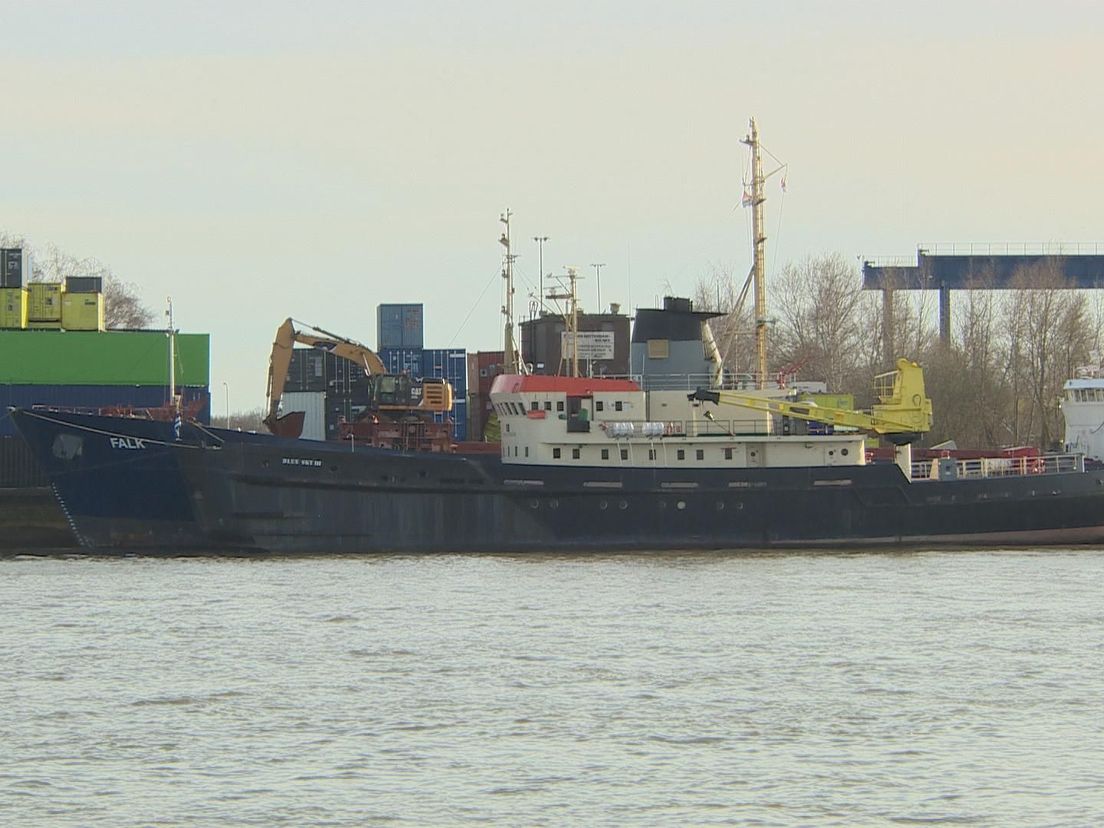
x=280 y=360
x=436 y=393
x=901 y=415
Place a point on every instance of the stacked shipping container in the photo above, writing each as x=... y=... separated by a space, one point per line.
x=90 y=370
x=342 y=393
x=399 y=326
x=78 y=305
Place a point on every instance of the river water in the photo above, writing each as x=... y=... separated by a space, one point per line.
x=693 y=689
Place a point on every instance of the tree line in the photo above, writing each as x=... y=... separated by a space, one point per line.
x=996 y=383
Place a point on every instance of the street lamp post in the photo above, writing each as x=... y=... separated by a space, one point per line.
x=540 y=240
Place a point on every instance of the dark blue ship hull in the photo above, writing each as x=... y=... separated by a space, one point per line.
x=133 y=484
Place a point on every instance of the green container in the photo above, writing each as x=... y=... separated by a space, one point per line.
x=102 y=358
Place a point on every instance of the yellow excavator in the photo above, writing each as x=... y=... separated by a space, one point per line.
x=390 y=396
x=903 y=411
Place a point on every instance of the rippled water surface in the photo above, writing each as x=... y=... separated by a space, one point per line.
x=624 y=690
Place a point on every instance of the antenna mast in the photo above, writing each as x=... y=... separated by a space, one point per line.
x=759 y=261
x=172 y=353
x=509 y=348
x=571 y=319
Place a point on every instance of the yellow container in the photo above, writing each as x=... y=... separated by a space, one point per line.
x=13 y=307
x=44 y=301
x=82 y=311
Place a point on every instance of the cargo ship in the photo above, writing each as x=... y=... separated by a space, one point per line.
x=659 y=460
x=585 y=464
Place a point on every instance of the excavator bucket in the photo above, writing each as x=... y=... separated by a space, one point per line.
x=290 y=425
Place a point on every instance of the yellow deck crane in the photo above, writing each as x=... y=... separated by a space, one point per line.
x=392 y=395
x=903 y=411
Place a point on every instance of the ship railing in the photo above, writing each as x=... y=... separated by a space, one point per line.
x=1012 y=248
x=730 y=381
x=983 y=467
x=649 y=429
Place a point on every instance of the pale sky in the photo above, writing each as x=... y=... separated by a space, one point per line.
x=258 y=160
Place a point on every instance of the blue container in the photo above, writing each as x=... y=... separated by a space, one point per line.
x=399 y=326
x=308 y=370
x=450 y=364
x=93 y=397
x=459 y=417
x=412 y=326
x=403 y=361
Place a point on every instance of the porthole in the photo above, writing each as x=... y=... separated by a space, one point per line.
x=843 y=452
x=720 y=506
x=623 y=505
x=553 y=504
x=680 y=505
x=534 y=504
x=603 y=505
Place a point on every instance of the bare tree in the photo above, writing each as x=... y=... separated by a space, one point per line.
x=1050 y=334
x=733 y=331
x=820 y=321
x=252 y=420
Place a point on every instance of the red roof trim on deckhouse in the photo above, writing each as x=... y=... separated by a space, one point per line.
x=572 y=386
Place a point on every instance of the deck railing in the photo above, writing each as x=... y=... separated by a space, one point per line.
x=1002 y=466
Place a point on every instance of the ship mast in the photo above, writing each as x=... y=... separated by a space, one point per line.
x=759 y=261
x=509 y=348
x=570 y=317
x=172 y=354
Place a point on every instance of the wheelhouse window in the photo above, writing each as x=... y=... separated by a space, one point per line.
x=555 y=454
x=605 y=454
x=574 y=454
x=658 y=349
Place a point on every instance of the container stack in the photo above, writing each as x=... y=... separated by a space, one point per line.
x=400 y=326
x=76 y=305
x=329 y=389
x=14 y=267
x=82 y=304
x=93 y=370
x=44 y=305
x=483 y=367
x=309 y=373
x=451 y=364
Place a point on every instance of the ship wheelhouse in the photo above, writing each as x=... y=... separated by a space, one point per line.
x=602 y=422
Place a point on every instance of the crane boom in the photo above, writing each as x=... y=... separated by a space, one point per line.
x=903 y=412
